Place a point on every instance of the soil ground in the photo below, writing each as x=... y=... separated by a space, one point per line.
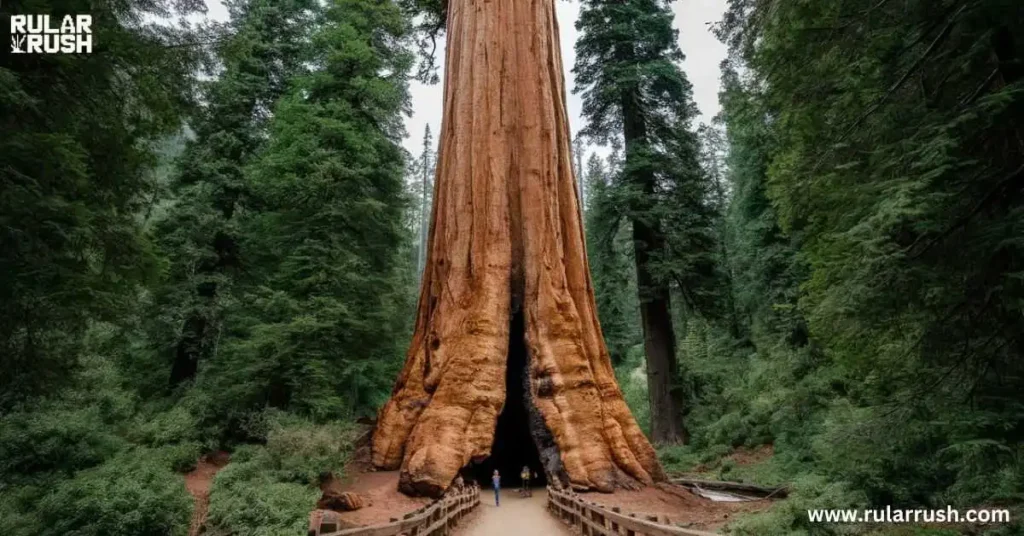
x=198 y=483
x=678 y=504
x=751 y=456
x=519 y=515
x=381 y=487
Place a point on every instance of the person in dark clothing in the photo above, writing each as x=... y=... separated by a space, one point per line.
x=496 y=479
x=524 y=477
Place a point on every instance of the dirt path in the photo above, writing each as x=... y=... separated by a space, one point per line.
x=515 y=517
x=198 y=483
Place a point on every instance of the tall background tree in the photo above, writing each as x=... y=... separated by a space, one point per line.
x=265 y=48
x=75 y=173
x=426 y=194
x=874 y=209
x=610 y=250
x=320 y=321
x=902 y=178
x=627 y=69
x=235 y=224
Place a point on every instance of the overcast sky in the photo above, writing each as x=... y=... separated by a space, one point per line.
x=703 y=55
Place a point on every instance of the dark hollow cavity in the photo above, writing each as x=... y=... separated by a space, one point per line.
x=521 y=437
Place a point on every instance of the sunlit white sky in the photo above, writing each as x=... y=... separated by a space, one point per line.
x=703 y=55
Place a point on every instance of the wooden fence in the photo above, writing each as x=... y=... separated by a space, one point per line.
x=593 y=519
x=436 y=519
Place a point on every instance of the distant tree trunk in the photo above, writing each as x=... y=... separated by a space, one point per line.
x=507 y=238
x=578 y=149
x=425 y=171
x=200 y=326
x=655 y=306
x=659 y=343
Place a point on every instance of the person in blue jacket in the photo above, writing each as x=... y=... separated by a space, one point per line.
x=496 y=479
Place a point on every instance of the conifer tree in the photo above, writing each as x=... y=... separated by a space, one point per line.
x=882 y=142
x=578 y=150
x=426 y=171
x=264 y=51
x=609 y=247
x=76 y=151
x=319 y=327
x=627 y=69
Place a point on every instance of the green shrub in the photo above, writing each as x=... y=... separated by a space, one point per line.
x=174 y=425
x=132 y=494
x=789 y=517
x=299 y=451
x=181 y=457
x=17 y=510
x=54 y=439
x=269 y=490
x=677 y=458
x=711 y=454
x=76 y=430
x=632 y=379
x=245 y=501
x=175 y=431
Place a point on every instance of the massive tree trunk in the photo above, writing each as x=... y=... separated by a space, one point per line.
x=506 y=243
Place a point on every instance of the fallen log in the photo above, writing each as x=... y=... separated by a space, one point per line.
x=724 y=485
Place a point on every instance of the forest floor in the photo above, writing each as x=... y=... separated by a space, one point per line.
x=519 y=515
x=516 y=516
x=678 y=504
x=381 y=488
x=198 y=483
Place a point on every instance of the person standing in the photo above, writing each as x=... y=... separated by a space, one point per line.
x=496 y=479
x=524 y=477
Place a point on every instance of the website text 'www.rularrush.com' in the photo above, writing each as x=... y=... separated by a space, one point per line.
x=898 y=515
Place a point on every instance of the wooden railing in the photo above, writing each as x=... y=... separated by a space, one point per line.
x=593 y=519
x=436 y=519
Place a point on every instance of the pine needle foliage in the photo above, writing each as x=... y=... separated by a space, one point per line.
x=319 y=322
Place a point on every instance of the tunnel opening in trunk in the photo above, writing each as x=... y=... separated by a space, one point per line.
x=514 y=444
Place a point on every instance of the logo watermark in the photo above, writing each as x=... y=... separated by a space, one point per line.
x=43 y=34
x=897 y=515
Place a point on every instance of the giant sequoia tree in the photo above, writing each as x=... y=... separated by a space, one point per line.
x=506 y=317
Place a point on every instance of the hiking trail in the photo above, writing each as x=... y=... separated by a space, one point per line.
x=515 y=517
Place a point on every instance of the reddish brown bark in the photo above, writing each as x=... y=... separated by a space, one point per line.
x=507 y=235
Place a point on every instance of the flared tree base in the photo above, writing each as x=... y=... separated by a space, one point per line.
x=507 y=284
